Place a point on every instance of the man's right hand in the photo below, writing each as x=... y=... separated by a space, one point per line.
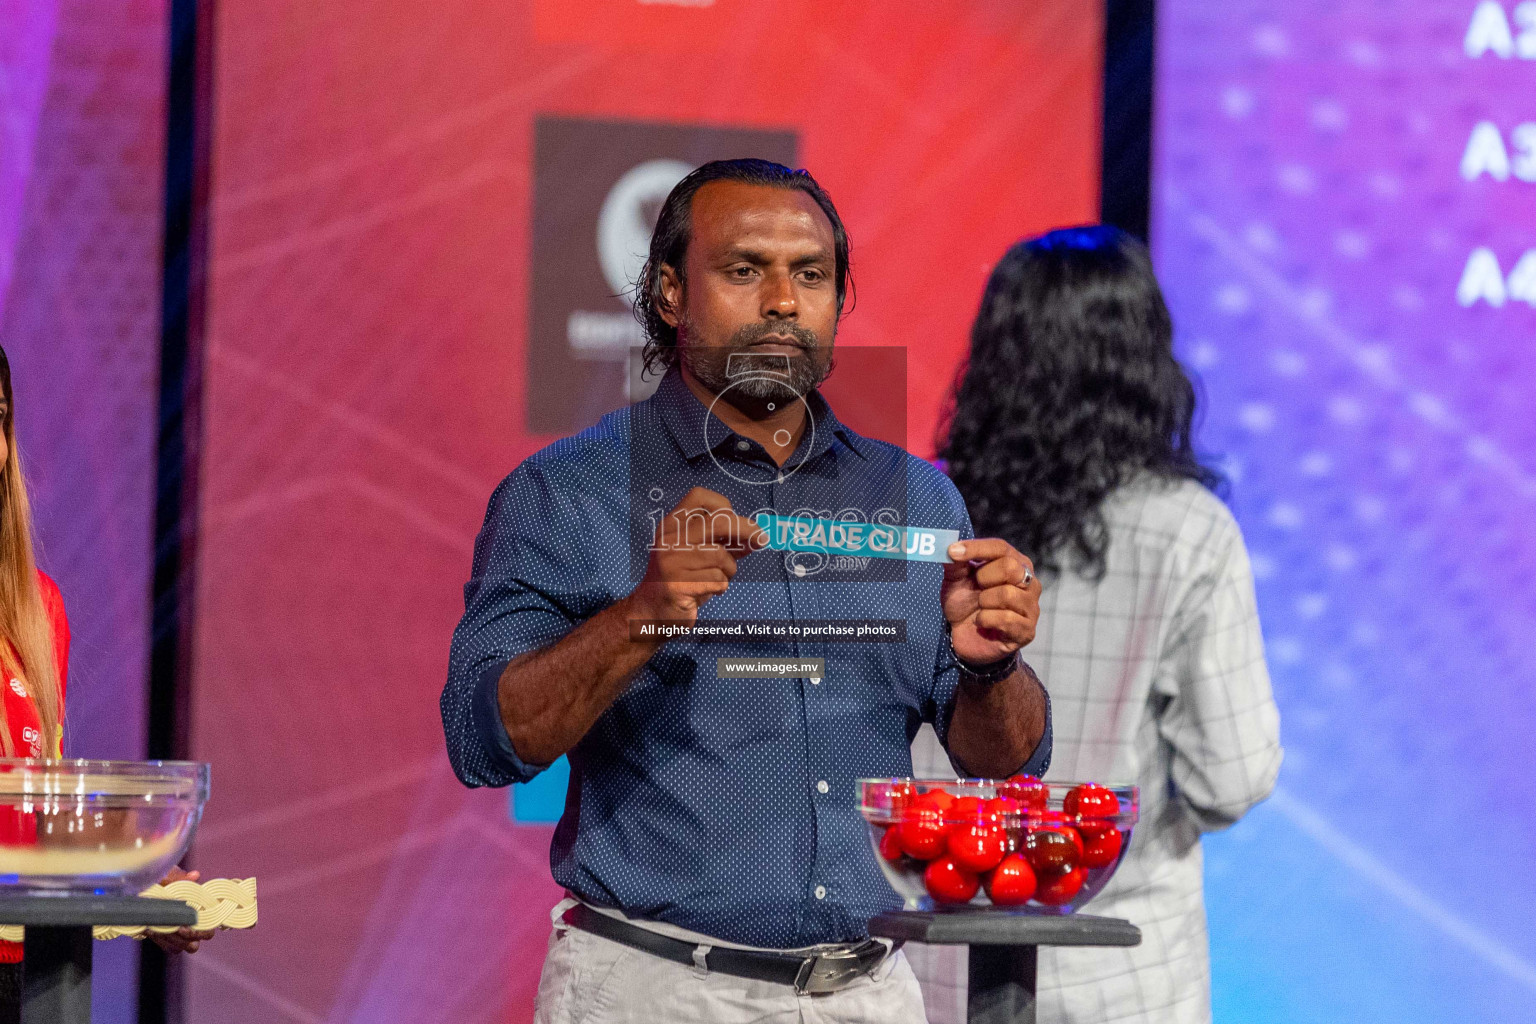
x=548 y=699
x=693 y=557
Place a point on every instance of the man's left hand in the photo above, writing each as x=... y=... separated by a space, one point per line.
x=991 y=599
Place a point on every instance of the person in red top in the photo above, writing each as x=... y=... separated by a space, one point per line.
x=32 y=728
x=34 y=664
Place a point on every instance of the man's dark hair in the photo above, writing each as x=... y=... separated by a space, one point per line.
x=669 y=242
x=1071 y=390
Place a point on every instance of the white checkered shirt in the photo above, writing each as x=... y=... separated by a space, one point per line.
x=1157 y=677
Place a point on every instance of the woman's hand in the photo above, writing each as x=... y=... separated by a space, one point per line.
x=182 y=940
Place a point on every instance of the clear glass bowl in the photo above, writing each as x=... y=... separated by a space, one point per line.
x=95 y=826
x=957 y=850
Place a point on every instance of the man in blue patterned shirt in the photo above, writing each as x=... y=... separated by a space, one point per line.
x=712 y=848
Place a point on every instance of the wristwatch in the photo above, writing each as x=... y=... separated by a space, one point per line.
x=984 y=675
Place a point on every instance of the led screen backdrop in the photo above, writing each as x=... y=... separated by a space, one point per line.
x=82 y=143
x=1345 y=222
x=422 y=217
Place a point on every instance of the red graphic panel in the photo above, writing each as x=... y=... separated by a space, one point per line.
x=373 y=256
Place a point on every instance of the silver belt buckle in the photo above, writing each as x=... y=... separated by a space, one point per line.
x=835 y=969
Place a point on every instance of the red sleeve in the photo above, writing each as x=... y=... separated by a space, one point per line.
x=53 y=607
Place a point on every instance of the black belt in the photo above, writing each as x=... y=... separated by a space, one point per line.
x=825 y=971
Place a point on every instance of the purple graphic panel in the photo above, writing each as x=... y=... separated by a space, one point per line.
x=82 y=141
x=1346 y=227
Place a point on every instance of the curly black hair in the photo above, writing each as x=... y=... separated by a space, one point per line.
x=669 y=243
x=1071 y=390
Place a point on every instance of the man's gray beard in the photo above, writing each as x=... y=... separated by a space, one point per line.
x=759 y=376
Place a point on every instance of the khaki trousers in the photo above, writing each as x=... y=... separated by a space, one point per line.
x=588 y=979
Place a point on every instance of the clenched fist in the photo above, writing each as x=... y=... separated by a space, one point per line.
x=693 y=557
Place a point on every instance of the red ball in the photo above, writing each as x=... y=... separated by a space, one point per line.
x=977 y=847
x=966 y=810
x=890 y=845
x=1013 y=839
x=921 y=832
x=1054 y=890
x=1050 y=851
x=1101 y=847
x=1000 y=808
x=1091 y=801
x=1074 y=835
x=1056 y=821
x=1027 y=790
x=1092 y=828
x=948 y=882
x=1011 y=883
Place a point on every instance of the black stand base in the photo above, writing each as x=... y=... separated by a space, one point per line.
x=1002 y=989
x=1005 y=950
x=56 y=975
x=56 y=965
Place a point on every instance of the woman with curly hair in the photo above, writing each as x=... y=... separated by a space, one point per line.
x=1069 y=435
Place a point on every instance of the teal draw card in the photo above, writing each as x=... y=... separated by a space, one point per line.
x=865 y=540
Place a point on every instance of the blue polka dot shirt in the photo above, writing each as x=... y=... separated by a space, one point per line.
x=726 y=806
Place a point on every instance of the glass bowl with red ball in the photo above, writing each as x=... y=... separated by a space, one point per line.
x=1020 y=844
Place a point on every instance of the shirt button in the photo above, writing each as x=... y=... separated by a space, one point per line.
x=742 y=446
x=822 y=787
x=815 y=680
x=821 y=892
x=799 y=570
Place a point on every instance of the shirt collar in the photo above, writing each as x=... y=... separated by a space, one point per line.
x=685 y=417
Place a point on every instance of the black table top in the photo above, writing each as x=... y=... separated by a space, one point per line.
x=76 y=911
x=993 y=927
